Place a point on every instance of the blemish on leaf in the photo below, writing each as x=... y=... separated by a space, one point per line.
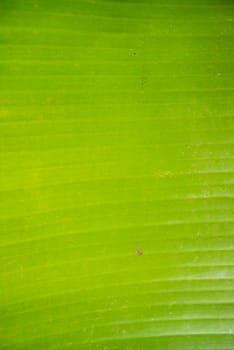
x=41 y=117
x=139 y=252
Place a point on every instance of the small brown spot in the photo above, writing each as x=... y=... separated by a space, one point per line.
x=139 y=252
x=41 y=117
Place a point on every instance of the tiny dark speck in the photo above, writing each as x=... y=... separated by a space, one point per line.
x=134 y=53
x=139 y=252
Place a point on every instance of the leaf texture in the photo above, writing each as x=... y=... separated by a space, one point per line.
x=116 y=175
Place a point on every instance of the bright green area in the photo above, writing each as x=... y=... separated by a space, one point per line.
x=116 y=129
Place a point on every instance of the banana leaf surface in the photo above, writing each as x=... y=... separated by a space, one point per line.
x=116 y=175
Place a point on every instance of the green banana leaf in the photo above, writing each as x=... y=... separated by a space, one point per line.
x=116 y=175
